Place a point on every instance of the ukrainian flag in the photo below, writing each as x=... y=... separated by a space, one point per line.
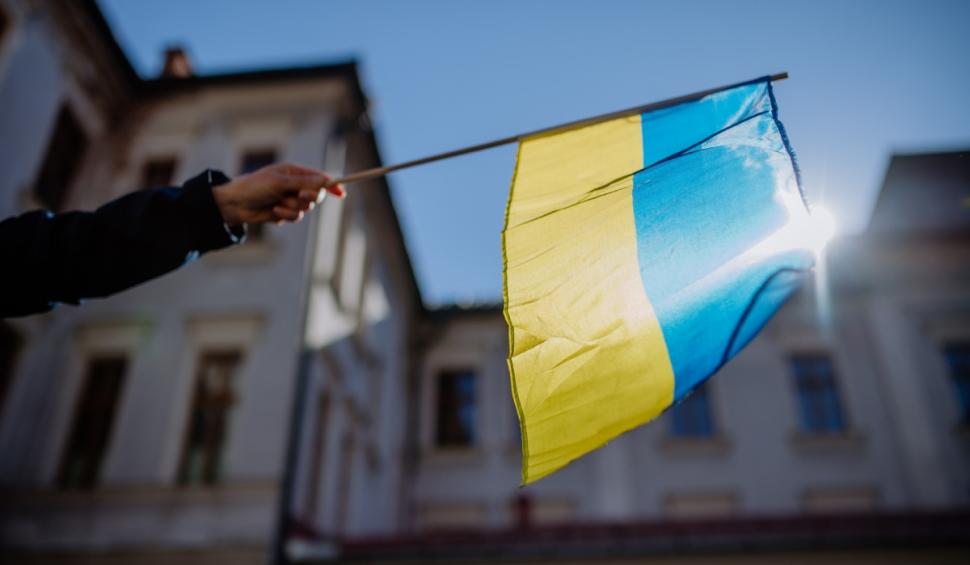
x=641 y=253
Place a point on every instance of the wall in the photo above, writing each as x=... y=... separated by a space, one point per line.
x=882 y=310
x=251 y=297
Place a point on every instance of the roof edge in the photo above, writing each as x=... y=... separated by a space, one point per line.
x=346 y=69
x=103 y=28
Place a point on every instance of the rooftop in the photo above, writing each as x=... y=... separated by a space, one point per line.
x=923 y=194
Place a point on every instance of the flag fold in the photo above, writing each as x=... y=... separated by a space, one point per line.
x=641 y=253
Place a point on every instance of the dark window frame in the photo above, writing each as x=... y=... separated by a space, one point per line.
x=821 y=409
x=6 y=24
x=251 y=160
x=348 y=451
x=63 y=158
x=693 y=416
x=456 y=408
x=11 y=343
x=956 y=355
x=318 y=455
x=92 y=422
x=209 y=419
x=158 y=172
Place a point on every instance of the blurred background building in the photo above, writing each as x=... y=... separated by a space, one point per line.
x=293 y=397
x=159 y=418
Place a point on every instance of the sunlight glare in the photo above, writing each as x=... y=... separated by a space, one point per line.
x=819 y=229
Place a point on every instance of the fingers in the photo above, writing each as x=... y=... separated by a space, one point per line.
x=313 y=197
x=337 y=190
x=284 y=214
x=302 y=203
x=297 y=178
x=293 y=208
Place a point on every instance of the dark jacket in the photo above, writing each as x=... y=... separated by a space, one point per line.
x=51 y=258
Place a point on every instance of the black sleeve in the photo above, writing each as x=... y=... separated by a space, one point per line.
x=48 y=258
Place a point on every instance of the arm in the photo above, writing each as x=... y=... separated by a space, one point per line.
x=51 y=258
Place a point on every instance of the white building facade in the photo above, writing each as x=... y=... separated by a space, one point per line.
x=853 y=401
x=157 y=420
x=291 y=398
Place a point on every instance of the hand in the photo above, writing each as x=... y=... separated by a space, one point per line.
x=276 y=193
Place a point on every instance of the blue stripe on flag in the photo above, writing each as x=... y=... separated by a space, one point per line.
x=669 y=131
x=715 y=259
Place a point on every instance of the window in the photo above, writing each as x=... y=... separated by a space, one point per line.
x=331 y=212
x=253 y=161
x=456 y=409
x=691 y=417
x=451 y=515
x=9 y=347
x=840 y=500
x=347 y=447
x=528 y=511
x=158 y=172
x=209 y=417
x=62 y=160
x=701 y=505
x=4 y=25
x=93 y=418
x=315 y=478
x=375 y=393
x=516 y=427
x=350 y=263
x=958 y=362
x=818 y=397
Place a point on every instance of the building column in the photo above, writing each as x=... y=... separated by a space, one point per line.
x=902 y=379
x=614 y=488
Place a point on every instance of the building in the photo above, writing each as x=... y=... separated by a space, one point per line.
x=158 y=420
x=293 y=398
x=854 y=398
x=849 y=413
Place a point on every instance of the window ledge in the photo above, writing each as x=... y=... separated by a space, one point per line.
x=248 y=253
x=695 y=446
x=821 y=442
x=453 y=455
x=147 y=494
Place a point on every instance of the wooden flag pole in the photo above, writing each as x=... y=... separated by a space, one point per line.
x=381 y=171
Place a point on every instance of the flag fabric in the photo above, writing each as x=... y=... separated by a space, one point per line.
x=641 y=253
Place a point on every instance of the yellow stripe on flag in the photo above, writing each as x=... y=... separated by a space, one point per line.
x=587 y=356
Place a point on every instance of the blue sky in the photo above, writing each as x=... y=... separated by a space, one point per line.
x=867 y=79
